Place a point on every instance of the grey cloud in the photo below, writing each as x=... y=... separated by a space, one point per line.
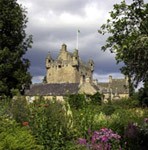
x=37 y=59
x=49 y=34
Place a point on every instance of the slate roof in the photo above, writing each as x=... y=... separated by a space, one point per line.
x=117 y=85
x=55 y=89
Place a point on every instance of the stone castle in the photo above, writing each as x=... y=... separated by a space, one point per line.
x=68 y=74
x=68 y=68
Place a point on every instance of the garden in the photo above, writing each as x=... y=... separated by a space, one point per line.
x=79 y=123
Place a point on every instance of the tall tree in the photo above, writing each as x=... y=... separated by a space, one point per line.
x=128 y=38
x=13 y=45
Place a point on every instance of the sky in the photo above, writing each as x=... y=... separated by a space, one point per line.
x=54 y=22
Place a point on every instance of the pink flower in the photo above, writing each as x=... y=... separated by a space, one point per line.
x=82 y=141
x=104 y=139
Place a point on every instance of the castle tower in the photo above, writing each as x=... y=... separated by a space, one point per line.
x=49 y=61
x=63 y=55
x=75 y=58
x=67 y=68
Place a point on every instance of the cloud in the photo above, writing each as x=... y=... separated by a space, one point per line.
x=37 y=79
x=54 y=22
x=105 y=78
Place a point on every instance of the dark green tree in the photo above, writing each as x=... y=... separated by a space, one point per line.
x=128 y=38
x=13 y=45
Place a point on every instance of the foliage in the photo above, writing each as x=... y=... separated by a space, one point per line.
x=19 y=109
x=126 y=103
x=57 y=125
x=15 y=137
x=96 y=98
x=4 y=106
x=136 y=135
x=84 y=119
x=128 y=38
x=143 y=95
x=77 y=101
x=108 y=109
x=50 y=123
x=13 y=45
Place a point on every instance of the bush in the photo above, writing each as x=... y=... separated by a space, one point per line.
x=136 y=135
x=126 y=103
x=77 y=101
x=15 y=137
x=143 y=95
x=19 y=109
x=108 y=109
x=4 y=106
x=96 y=98
x=50 y=123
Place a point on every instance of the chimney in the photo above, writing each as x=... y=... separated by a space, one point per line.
x=110 y=79
x=64 y=47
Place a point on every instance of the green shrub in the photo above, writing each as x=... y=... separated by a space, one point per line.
x=4 y=106
x=143 y=95
x=136 y=135
x=15 y=137
x=77 y=101
x=108 y=109
x=19 y=109
x=126 y=103
x=84 y=119
x=96 y=98
x=50 y=123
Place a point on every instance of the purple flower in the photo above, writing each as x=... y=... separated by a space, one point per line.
x=82 y=141
x=104 y=139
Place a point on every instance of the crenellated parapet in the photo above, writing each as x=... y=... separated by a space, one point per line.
x=68 y=67
x=75 y=58
x=49 y=61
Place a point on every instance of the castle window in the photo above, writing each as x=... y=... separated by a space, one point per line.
x=49 y=61
x=59 y=66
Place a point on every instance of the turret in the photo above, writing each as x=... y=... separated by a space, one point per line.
x=75 y=58
x=49 y=60
x=64 y=48
x=91 y=64
x=63 y=55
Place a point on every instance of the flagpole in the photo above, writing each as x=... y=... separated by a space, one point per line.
x=77 y=44
x=77 y=40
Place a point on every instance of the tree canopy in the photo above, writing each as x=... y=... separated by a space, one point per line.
x=128 y=38
x=13 y=45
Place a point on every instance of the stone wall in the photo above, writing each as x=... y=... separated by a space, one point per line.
x=62 y=74
x=68 y=67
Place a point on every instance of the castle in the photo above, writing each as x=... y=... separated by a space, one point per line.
x=68 y=68
x=68 y=74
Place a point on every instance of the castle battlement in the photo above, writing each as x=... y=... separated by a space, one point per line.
x=68 y=67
